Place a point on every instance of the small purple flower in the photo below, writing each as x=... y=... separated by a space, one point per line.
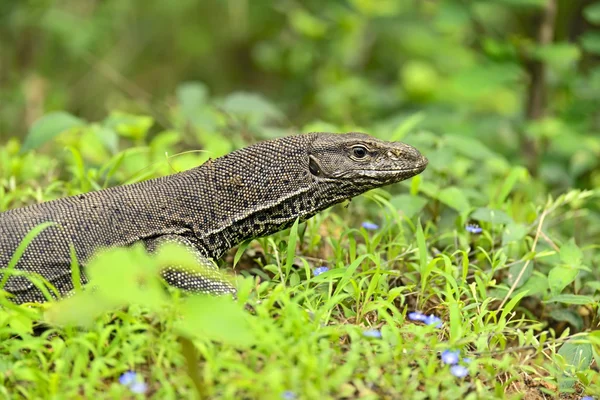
x=319 y=270
x=459 y=371
x=370 y=226
x=372 y=333
x=127 y=378
x=473 y=228
x=417 y=316
x=450 y=357
x=587 y=398
x=433 y=320
x=466 y=360
x=288 y=395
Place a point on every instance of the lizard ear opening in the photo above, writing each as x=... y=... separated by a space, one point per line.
x=313 y=166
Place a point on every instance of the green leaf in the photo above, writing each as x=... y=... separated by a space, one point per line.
x=591 y=42
x=422 y=246
x=406 y=126
x=125 y=276
x=524 y=3
x=559 y=55
x=129 y=125
x=252 y=106
x=536 y=284
x=21 y=324
x=454 y=197
x=592 y=13
x=515 y=270
x=469 y=147
x=492 y=216
x=291 y=248
x=192 y=97
x=306 y=24
x=516 y=174
x=513 y=233
x=569 y=316
x=572 y=299
x=570 y=254
x=408 y=205
x=579 y=356
x=48 y=127
x=559 y=277
x=215 y=318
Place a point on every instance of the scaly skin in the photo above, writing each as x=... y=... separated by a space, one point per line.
x=249 y=193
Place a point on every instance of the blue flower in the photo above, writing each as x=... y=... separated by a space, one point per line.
x=372 y=333
x=427 y=319
x=474 y=228
x=587 y=398
x=370 y=226
x=288 y=395
x=417 y=316
x=433 y=320
x=319 y=270
x=139 y=387
x=127 y=378
x=459 y=371
x=450 y=357
x=135 y=382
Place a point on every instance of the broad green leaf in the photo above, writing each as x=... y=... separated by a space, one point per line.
x=559 y=277
x=515 y=270
x=591 y=42
x=48 y=127
x=469 y=147
x=127 y=276
x=559 y=55
x=524 y=3
x=592 y=13
x=561 y=314
x=215 y=318
x=513 y=233
x=492 y=216
x=572 y=299
x=454 y=197
x=570 y=254
x=408 y=205
x=579 y=356
x=21 y=323
x=536 y=284
x=252 y=106
x=192 y=96
x=307 y=24
x=132 y=126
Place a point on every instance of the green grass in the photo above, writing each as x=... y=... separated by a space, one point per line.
x=518 y=299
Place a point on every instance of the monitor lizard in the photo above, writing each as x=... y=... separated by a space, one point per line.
x=249 y=193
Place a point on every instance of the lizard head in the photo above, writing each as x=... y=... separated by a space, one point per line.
x=363 y=159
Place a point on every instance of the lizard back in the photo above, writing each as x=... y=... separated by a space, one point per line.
x=249 y=193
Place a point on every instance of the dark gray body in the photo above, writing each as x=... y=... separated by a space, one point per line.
x=246 y=194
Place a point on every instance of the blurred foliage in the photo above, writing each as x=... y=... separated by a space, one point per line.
x=468 y=66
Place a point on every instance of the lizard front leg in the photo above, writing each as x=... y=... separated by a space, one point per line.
x=207 y=280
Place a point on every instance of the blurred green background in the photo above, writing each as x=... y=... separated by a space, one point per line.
x=521 y=76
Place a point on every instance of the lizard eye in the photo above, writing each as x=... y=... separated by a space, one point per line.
x=359 y=151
